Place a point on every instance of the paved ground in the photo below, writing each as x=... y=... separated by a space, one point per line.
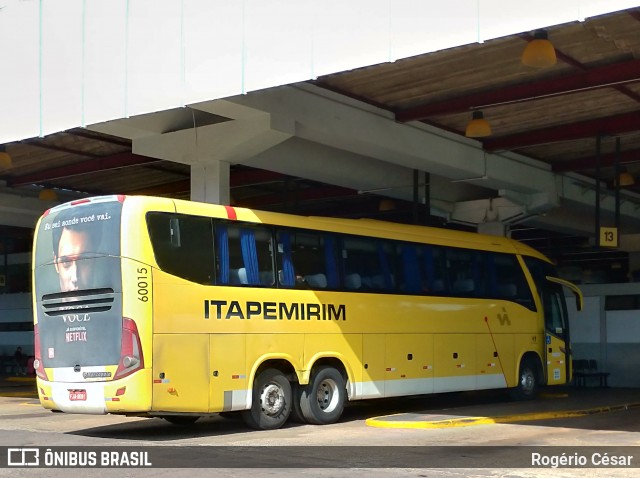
x=554 y=404
x=480 y=434
x=466 y=409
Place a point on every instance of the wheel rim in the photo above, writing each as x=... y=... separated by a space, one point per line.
x=528 y=381
x=272 y=399
x=328 y=395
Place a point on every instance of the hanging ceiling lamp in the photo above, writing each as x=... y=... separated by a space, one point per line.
x=625 y=178
x=478 y=127
x=5 y=159
x=539 y=52
x=386 y=205
x=48 y=195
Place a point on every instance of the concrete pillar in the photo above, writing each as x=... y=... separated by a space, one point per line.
x=210 y=182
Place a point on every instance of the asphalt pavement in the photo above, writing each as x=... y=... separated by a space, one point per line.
x=552 y=403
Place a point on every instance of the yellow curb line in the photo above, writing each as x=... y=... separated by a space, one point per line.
x=21 y=379
x=379 y=422
x=24 y=394
x=553 y=395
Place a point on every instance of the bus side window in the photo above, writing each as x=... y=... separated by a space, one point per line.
x=461 y=272
x=436 y=271
x=183 y=245
x=284 y=260
x=412 y=283
x=372 y=260
x=508 y=281
x=244 y=255
x=306 y=260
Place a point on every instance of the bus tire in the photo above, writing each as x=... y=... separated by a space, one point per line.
x=272 y=400
x=528 y=382
x=296 y=410
x=181 y=420
x=322 y=400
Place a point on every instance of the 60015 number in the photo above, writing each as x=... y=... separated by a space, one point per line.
x=143 y=284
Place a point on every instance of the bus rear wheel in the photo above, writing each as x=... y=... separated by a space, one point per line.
x=271 y=403
x=322 y=400
x=296 y=411
x=528 y=382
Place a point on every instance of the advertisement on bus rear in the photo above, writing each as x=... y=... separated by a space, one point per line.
x=78 y=284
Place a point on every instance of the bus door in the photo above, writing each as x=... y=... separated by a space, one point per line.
x=557 y=344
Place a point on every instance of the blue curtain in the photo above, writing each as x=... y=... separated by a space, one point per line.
x=222 y=244
x=288 y=274
x=330 y=262
x=411 y=269
x=429 y=268
x=250 y=256
x=384 y=265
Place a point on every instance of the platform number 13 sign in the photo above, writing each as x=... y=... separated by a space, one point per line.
x=609 y=236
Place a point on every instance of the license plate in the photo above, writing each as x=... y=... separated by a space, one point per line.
x=76 y=395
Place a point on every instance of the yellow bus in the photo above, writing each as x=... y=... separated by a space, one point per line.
x=166 y=308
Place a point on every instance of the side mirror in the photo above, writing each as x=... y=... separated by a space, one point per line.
x=576 y=291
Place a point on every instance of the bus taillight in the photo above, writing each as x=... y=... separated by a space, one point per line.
x=37 y=362
x=131 y=358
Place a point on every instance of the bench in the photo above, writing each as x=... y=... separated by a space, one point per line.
x=583 y=370
x=7 y=365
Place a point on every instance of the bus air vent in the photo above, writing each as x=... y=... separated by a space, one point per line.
x=80 y=301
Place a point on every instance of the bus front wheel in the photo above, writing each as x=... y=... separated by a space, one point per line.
x=527 y=387
x=271 y=403
x=322 y=400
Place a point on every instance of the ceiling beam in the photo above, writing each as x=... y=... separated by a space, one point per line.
x=611 y=125
x=97 y=165
x=253 y=177
x=580 y=66
x=325 y=193
x=589 y=162
x=52 y=147
x=175 y=187
x=245 y=177
x=101 y=137
x=601 y=77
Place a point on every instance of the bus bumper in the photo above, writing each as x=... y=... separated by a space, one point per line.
x=131 y=394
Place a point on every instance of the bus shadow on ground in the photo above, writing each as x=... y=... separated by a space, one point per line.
x=452 y=405
x=158 y=429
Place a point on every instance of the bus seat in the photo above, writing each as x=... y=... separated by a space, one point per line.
x=353 y=281
x=242 y=275
x=463 y=286
x=438 y=285
x=378 y=282
x=316 y=280
x=266 y=277
x=506 y=290
x=234 y=278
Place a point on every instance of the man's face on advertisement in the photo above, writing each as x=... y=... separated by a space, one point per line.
x=72 y=270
